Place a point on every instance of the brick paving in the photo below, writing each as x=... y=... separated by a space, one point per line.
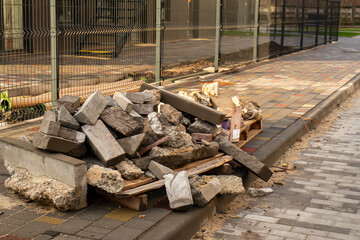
x=289 y=86
x=320 y=201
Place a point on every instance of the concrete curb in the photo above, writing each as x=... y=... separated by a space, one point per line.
x=272 y=150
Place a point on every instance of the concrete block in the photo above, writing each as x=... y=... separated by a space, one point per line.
x=121 y=121
x=128 y=170
x=103 y=143
x=135 y=116
x=159 y=170
x=143 y=109
x=111 y=101
x=56 y=144
x=49 y=124
x=105 y=179
x=202 y=136
x=178 y=190
x=67 y=120
x=90 y=111
x=142 y=162
x=171 y=114
x=137 y=97
x=230 y=184
x=200 y=126
x=204 y=189
x=71 y=103
x=67 y=133
x=131 y=144
x=123 y=102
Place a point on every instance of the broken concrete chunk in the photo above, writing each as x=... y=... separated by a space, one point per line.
x=131 y=144
x=176 y=157
x=177 y=138
x=230 y=184
x=90 y=111
x=128 y=170
x=178 y=190
x=123 y=102
x=56 y=144
x=67 y=120
x=170 y=113
x=248 y=161
x=121 y=121
x=156 y=124
x=185 y=121
x=144 y=109
x=104 y=145
x=105 y=179
x=156 y=94
x=204 y=189
x=142 y=162
x=149 y=174
x=202 y=136
x=224 y=169
x=135 y=116
x=137 y=97
x=200 y=126
x=159 y=170
x=110 y=101
x=67 y=133
x=259 y=192
x=157 y=143
x=49 y=124
x=71 y=103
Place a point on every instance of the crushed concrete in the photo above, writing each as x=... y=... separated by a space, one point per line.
x=203 y=189
x=128 y=170
x=105 y=179
x=200 y=126
x=178 y=190
x=159 y=170
x=171 y=114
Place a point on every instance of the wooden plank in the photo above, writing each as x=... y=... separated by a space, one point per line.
x=192 y=168
x=235 y=127
x=188 y=106
x=136 y=203
x=128 y=184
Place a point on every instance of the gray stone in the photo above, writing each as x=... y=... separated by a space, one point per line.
x=178 y=190
x=121 y=121
x=128 y=170
x=230 y=184
x=204 y=189
x=123 y=102
x=67 y=120
x=159 y=170
x=156 y=124
x=143 y=109
x=200 y=126
x=150 y=174
x=25 y=138
x=156 y=94
x=136 y=116
x=71 y=103
x=131 y=144
x=259 y=192
x=49 y=124
x=103 y=143
x=170 y=113
x=139 y=97
x=90 y=111
x=56 y=144
x=142 y=163
x=111 y=102
x=67 y=133
x=105 y=179
x=177 y=138
x=177 y=157
x=185 y=121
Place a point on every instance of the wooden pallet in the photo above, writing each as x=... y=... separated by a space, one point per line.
x=250 y=129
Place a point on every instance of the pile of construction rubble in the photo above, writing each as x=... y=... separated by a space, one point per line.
x=134 y=135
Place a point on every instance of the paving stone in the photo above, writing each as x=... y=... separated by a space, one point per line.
x=43 y=237
x=123 y=233
x=67 y=120
x=155 y=214
x=106 y=223
x=49 y=124
x=123 y=102
x=71 y=103
x=93 y=213
x=5 y=228
x=139 y=223
x=92 y=235
x=91 y=109
x=69 y=237
x=25 y=216
x=72 y=226
x=131 y=144
x=159 y=170
x=32 y=229
x=143 y=109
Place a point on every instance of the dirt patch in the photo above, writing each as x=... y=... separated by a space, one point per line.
x=287 y=161
x=9 y=203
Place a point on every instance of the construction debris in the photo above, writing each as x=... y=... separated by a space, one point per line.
x=128 y=170
x=178 y=190
x=105 y=179
x=259 y=192
x=204 y=189
x=90 y=111
x=159 y=170
x=71 y=103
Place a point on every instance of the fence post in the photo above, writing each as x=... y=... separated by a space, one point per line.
x=302 y=25
x=256 y=30
x=326 y=21
x=158 y=43
x=283 y=27
x=217 y=35
x=317 y=23
x=338 y=20
x=54 y=55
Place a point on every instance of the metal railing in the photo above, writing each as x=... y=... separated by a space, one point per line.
x=49 y=48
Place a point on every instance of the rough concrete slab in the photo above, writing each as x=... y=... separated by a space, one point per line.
x=200 y=126
x=90 y=111
x=105 y=179
x=142 y=162
x=143 y=109
x=67 y=133
x=121 y=121
x=171 y=114
x=128 y=170
x=71 y=103
x=67 y=120
x=178 y=190
x=123 y=102
x=103 y=144
x=131 y=144
x=159 y=170
x=49 y=124
x=203 y=189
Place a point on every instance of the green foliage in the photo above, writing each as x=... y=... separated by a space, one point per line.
x=144 y=79
x=5 y=102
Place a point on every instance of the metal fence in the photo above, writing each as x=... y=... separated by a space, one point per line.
x=49 y=48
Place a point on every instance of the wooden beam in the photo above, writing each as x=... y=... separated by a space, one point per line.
x=188 y=106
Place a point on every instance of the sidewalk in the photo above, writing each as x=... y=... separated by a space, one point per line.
x=287 y=89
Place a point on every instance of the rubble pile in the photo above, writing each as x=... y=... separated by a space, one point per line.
x=134 y=136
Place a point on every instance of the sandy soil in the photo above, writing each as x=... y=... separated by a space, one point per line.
x=286 y=161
